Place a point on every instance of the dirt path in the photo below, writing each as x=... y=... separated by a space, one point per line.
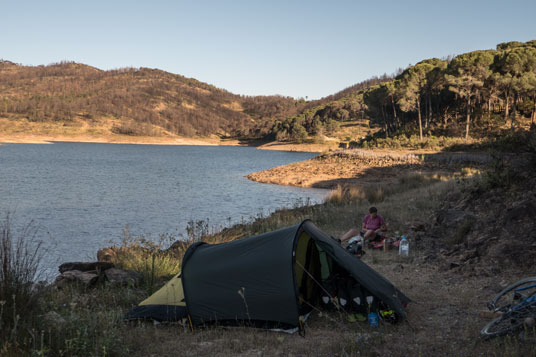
x=448 y=309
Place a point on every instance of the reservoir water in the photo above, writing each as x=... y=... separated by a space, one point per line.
x=82 y=195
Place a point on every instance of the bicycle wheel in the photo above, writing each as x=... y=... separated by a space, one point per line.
x=513 y=294
x=501 y=326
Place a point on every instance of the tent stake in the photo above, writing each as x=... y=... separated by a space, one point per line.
x=190 y=320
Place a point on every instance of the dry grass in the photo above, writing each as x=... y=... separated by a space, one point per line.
x=401 y=200
x=323 y=338
x=444 y=319
x=353 y=130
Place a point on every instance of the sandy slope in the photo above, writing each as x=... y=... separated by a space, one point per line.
x=112 y=139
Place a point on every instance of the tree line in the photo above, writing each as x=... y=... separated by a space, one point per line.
x=472 y=92
x=324 y=116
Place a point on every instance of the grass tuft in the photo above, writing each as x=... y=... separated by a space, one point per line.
x=153 y=259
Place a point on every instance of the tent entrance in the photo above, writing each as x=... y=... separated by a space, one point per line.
x=313 y=268
x=320 y=279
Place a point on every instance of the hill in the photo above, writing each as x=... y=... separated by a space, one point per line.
x=475 y=95
x=130 y=101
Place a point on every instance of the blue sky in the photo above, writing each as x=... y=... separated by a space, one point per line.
x=293 y=48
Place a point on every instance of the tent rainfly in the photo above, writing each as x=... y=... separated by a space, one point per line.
x=272 y=280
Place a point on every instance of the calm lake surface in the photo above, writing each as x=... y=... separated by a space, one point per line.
x=82 y=195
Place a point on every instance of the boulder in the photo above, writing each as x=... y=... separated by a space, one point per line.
x=418 y=226
x=85 y=266
x=107 y=255
x=122 y=277
x=83 y=278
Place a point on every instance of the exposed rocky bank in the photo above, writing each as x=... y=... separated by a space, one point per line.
x=358 y=167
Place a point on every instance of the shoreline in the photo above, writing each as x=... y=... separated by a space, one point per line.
x=172 y=140
x=116 y=139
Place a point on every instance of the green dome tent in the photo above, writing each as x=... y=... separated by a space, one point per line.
x=270 y=280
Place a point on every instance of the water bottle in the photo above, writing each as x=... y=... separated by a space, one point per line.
x=373 y=319
x=403 y=248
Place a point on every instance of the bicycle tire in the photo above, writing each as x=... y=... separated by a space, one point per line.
x=501 y=326
x=505 y=291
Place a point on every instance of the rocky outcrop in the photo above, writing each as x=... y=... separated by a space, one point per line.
x=84 y=278
x=85 y=266
x=122 y=277
x=485 y=229
x=89 y=274
x=358 y=167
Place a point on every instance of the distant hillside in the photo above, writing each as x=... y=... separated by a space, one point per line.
x=480 y=94
x=343 y=115
x=135 y=101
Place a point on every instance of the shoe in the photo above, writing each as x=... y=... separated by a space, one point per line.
x=351 y=318
x=360 y=317
x=338 y=240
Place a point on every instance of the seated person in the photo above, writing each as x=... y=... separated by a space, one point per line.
x=373 y=223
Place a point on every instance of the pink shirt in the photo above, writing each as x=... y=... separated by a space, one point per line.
x=373 y=223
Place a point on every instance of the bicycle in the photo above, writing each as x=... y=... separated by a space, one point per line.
x=517 y=305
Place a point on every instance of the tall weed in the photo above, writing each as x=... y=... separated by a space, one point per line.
x=151 y=258
x=20 y=257
x=379 y=192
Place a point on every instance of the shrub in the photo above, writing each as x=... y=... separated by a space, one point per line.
x=344 y=195
x=299 y=133
x=154 y=260
x=375 y=194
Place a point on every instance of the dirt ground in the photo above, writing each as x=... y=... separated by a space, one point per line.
x=444 y=319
